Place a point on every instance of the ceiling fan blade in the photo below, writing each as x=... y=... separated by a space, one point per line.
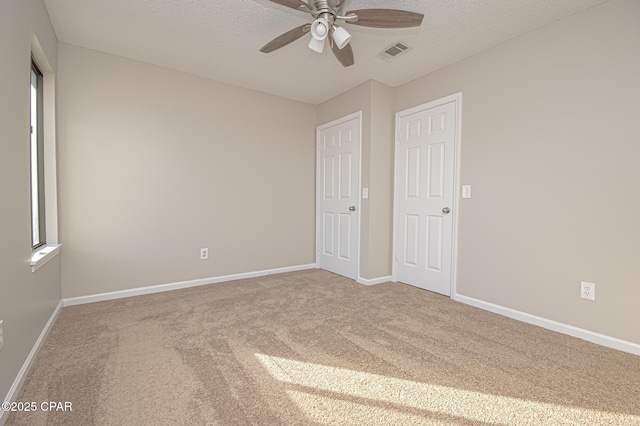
x=344 y=55
x=286 y=38
x=294 y=4
x=386 y=18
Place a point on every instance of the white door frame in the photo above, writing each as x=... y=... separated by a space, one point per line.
x=457 y=99
x=358 y=203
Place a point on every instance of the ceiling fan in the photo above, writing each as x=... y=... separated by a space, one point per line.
x=324 y=29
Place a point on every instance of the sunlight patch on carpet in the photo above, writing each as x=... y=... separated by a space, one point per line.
x=320 y=390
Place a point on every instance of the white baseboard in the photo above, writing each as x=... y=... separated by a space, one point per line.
x=374 y=281
x=22 y=374
x=590 y=336
x=178 y=285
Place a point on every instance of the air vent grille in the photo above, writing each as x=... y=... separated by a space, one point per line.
x=394 y=50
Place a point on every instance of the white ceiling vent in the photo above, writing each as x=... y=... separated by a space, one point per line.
x=392 y=52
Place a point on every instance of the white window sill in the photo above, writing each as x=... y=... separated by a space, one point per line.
x=43 y=255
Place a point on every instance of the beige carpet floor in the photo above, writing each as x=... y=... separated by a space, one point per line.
x=313 y=348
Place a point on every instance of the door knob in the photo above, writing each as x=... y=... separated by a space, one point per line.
x=446 y=210
x=352 y=208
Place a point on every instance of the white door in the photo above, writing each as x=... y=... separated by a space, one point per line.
x=338 y=190
x=425 y=196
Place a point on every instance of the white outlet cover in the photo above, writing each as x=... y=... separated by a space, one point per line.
x=587 y=290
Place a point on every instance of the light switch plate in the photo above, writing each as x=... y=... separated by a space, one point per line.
x=466 y=191
x=365 y=192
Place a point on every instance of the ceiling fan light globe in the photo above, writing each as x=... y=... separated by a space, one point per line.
x=320 y=29
x=317 y=45
x=341 y=37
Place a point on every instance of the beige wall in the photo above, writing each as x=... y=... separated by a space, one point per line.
x=550 y=144
x=27 y=299
x=156 y=164
x=381 y=182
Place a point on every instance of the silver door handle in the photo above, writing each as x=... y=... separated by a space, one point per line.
x=446 y=210
x=352 y=208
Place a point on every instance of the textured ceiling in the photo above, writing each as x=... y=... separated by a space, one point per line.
x=220 y=39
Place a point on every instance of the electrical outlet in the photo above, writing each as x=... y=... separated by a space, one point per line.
x=587 y=290
x=1 y=334
x=204 y=253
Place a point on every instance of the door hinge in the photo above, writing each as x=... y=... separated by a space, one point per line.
x=31 y=129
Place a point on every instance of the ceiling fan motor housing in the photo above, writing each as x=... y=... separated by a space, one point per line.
x=323 y=10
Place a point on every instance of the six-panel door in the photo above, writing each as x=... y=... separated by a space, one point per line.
x=339 y=186
x=425 y=198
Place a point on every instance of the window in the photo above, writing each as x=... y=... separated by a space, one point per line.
x=42 y=170
x=38 y=231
